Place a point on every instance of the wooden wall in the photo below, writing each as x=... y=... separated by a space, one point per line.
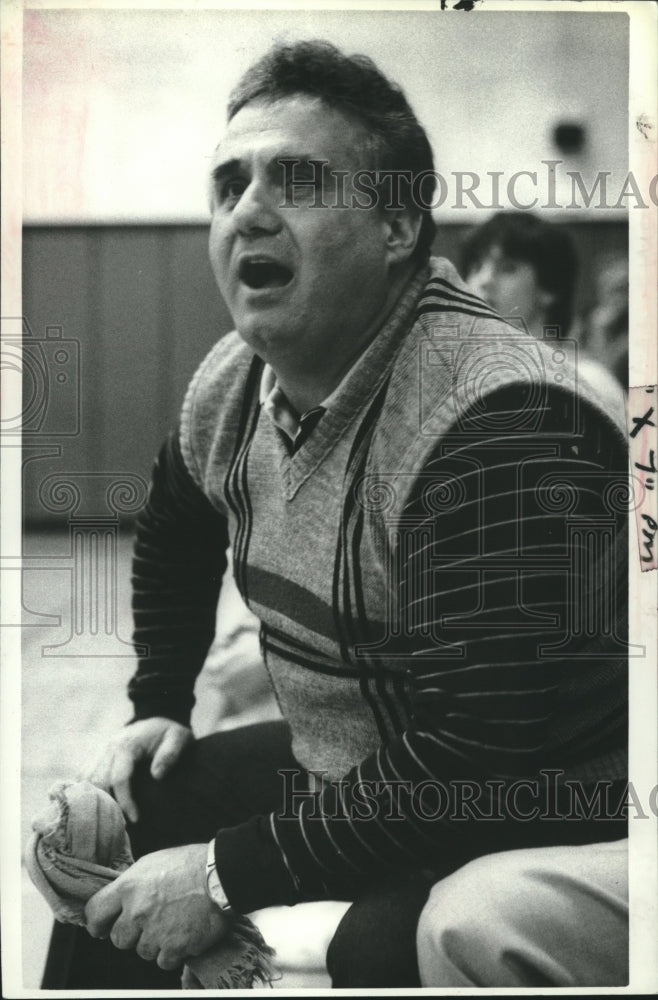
x=142 y=306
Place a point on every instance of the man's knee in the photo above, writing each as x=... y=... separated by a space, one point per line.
x=219 y=780
x=456 y=926
x=152 y=831
x=172 y=808
x=540 y=917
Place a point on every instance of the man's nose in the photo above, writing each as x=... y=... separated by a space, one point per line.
x=256 y=211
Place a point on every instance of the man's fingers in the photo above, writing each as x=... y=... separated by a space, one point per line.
x=147 y=950
x=169 y=750
x=169 y=961
x=123 y=766
x=101 y=911
x=125 y=934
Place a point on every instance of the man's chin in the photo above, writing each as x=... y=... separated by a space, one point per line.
x=264 y=335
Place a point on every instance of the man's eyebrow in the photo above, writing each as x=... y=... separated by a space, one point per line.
x=275 y=165
x=227 y=167
x=299 y=159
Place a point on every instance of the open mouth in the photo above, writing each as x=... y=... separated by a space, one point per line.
x=264 y=274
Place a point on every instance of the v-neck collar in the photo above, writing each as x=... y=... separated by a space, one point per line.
x=353 y=393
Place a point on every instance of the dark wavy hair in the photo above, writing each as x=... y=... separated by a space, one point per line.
x=353 y=85
x=546 y=246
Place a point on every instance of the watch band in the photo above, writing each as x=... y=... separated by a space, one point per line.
x=214 y=888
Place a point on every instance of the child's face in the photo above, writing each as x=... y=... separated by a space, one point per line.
x=510 y=287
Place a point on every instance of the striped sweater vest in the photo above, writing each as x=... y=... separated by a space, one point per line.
x=382 y=582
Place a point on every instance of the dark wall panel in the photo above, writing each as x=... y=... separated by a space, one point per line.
x=198 y=315
x=131 y=363
x=58 y=295
x=139 y=306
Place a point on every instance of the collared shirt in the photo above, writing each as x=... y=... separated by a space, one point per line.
x=295 y=427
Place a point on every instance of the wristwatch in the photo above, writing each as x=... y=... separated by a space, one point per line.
x=214 y=888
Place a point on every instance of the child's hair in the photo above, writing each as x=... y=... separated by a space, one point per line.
x=547 y=247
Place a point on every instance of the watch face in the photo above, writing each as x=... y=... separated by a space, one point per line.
x=213 y=885
x=214 y=889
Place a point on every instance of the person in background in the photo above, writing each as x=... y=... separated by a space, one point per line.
x=605 y=327
x=527 y=270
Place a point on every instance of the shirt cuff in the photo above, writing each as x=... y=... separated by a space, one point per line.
x=252 y=869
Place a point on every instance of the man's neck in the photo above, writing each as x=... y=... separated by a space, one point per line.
x=306 y=383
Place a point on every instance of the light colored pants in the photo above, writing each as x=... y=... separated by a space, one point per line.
x=554 y=916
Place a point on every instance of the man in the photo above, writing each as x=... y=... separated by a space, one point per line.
x=385 y=457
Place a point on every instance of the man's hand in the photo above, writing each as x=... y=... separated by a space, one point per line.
x=158 y=738
x=159 y=907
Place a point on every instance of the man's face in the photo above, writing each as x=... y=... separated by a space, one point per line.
x=509 y=286
x=300 y=282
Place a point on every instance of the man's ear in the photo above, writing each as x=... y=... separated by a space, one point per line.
x=402 y=235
